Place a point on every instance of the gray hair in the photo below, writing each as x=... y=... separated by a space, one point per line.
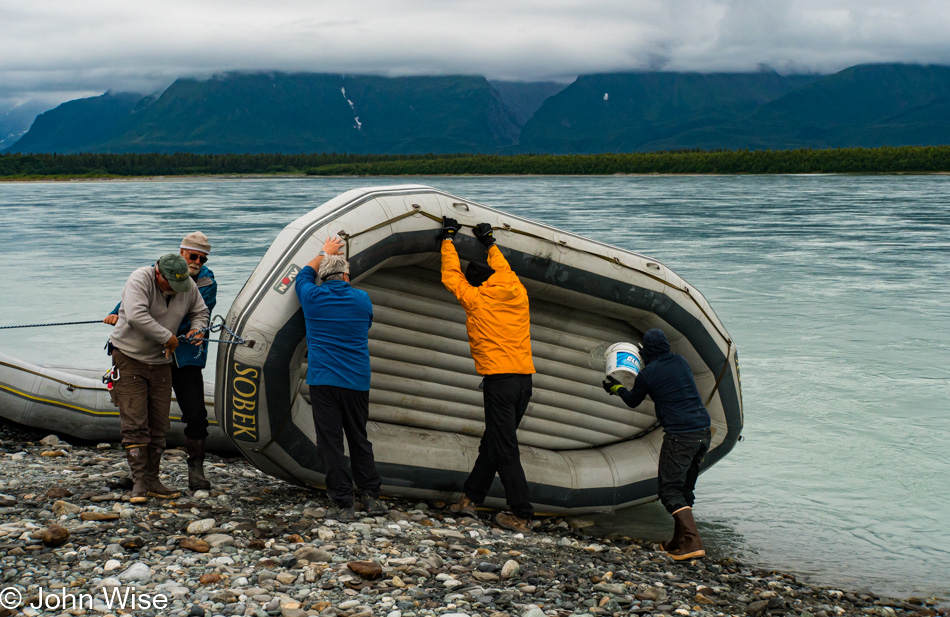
x=333 y=267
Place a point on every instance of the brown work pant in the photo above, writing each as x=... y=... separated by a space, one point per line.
x=143 y=394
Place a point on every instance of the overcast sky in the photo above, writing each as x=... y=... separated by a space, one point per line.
x=58 y=50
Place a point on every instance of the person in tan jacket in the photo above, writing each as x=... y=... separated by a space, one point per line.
x=498 y=323
x=155 y=300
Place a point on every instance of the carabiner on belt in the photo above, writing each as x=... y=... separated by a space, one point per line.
x=110 y=376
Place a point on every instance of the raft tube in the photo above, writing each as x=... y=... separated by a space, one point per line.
x=582 y=450
x=75 y=402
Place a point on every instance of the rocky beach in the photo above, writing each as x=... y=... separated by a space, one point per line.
x=72 y=544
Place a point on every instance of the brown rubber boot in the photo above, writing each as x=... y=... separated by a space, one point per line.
x=464 y=506
x=677 y=539
x=153 y=484
x=136 y=456
x=196 y=461
x=691 y=545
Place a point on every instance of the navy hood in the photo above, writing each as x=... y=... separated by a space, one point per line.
x=654 y=345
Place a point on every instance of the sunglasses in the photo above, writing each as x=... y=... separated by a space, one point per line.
x=198 y=257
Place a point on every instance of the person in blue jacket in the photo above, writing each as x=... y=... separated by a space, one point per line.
x=668 y=380
x=190 y=357
x=338 y=319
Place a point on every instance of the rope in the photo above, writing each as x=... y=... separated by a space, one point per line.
x=43 y=325
x=217 y=327
x=234 y=340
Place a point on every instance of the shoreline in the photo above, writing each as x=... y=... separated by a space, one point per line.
x=279 y=176
x=258 y=546
x=849 y=160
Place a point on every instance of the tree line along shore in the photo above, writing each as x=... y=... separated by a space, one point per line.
x=903 y=159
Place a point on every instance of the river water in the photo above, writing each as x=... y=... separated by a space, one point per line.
x=836 y=290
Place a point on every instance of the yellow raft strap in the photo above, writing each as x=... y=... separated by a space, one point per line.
x=613 y=260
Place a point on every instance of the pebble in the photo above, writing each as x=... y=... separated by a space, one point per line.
x=369 y=570
x=255 y=546
x=53 y=536
x=98 y=516
x=138 y=571
x=202 y=526
x=193 y=544
x=510 y=569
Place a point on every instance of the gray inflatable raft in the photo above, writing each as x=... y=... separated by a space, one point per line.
x=72 y=401
x=582 y=450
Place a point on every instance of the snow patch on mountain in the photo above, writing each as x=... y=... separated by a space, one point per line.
x=359 y=125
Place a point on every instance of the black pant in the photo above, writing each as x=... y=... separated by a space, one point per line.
x=337 y=411
x=506 y=399
x=678 y=468
x=189 y=389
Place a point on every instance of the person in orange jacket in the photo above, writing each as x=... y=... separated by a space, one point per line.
x=498 y=323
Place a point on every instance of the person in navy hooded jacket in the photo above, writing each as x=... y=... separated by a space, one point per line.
x=668 y=380
x=190 y=358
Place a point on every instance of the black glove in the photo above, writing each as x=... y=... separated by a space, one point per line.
x=450 y=227
x=483 y=232
x=611 y=385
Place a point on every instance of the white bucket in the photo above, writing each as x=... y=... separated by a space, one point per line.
x=623 y=363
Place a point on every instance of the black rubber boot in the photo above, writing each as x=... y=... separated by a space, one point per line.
x=196 y=462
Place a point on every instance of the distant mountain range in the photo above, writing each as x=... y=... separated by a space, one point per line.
x=865 y=105
x=15 y=120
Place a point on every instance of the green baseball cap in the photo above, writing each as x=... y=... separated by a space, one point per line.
x=175 y=270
